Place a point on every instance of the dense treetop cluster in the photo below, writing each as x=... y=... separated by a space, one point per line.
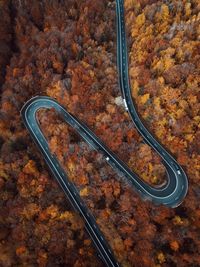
x=67 y=50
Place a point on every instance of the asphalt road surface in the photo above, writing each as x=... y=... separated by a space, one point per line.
x=170 y=194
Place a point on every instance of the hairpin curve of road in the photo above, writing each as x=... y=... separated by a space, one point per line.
x=171 y=194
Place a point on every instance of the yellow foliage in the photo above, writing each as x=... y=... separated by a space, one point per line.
x=134 y=32
x=150 y=166
x=183 y=104
x=192 y=99
x=129 y=3
x=170 y=137
x=66 y=216
x=165 y=12
x=177 y=220
x=188 y=9
x=141 y=55
x=156 y=102
x=189 y=137
x=84 y=192
x=170 y=51
x=85 y=64
x=180 y=54
x=154 y=180
x=176 y=42
x=180 y=113
x=163 y=64
x=163 y=27
x=91 y=72
x=52 y=211
x=197 y=118
x=71 y=167
x=160 y=132
x=55 y=90
x=157 y=65
x=161 y=80
x=140 y=20
x=149 y=31
x=163 y=122
x=161 y=257
x=53 y=144
x=118 y=244
x=168 y=62
x=144 y=98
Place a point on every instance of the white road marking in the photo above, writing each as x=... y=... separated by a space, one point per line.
x=125 y=104
x=75 y=201
x=60 y=109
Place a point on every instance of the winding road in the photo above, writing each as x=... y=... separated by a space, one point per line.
x=170 y=194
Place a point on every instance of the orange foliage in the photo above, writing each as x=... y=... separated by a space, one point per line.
x=67 y=50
